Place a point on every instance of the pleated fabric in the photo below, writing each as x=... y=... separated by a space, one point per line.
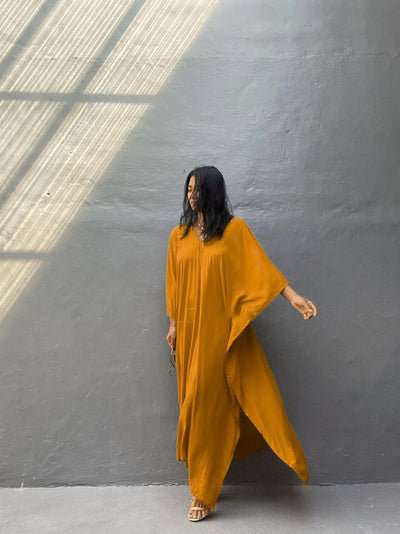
x=229 y=401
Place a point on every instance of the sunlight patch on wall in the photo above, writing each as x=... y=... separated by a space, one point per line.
x=65 y=115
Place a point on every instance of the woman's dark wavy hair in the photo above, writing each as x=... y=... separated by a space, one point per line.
x=212 y=201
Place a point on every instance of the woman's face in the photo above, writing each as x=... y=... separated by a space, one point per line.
x=193 y=193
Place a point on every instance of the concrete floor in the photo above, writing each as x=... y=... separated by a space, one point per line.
x=366 y=508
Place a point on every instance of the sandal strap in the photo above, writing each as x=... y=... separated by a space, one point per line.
x=198 y=508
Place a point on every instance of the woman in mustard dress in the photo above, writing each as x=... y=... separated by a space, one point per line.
x=218 y=280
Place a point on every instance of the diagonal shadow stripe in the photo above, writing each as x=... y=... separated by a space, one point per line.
x=18 y=47
x=23 y=256
x=58 y=120
x=71 y=98
x=110 y=44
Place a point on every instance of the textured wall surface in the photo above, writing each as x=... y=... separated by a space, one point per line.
x=297 y=103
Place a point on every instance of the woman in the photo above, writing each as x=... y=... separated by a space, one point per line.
x=218 y=280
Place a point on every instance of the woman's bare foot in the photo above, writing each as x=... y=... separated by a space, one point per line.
x=198 y=510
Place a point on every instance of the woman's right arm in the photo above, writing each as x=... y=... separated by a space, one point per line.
x=171 y=277
x=171 y=289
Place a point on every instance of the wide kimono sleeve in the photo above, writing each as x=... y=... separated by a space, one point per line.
x=253 y=280
x=171 y=276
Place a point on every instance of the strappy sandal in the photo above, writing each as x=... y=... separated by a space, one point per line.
x=198 y=508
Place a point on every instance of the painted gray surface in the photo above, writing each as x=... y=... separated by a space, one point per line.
x=297 y=104
x=339 y=509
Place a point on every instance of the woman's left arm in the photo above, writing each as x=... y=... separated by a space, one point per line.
x=303 y=305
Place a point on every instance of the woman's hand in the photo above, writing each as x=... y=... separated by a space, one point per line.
x=171 y=336
x=304 y=306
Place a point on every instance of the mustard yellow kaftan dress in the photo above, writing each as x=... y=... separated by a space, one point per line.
x=230 y=405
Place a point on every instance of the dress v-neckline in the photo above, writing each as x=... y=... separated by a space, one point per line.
x=197 y=235
x=202 y=240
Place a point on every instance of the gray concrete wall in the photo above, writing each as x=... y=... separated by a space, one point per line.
x=297 y=104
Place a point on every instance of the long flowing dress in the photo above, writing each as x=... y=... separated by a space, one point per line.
x=229 y=402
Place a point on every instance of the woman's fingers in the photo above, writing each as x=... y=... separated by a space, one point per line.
x=311 y=310
x=171 y=340
x=313 y=307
